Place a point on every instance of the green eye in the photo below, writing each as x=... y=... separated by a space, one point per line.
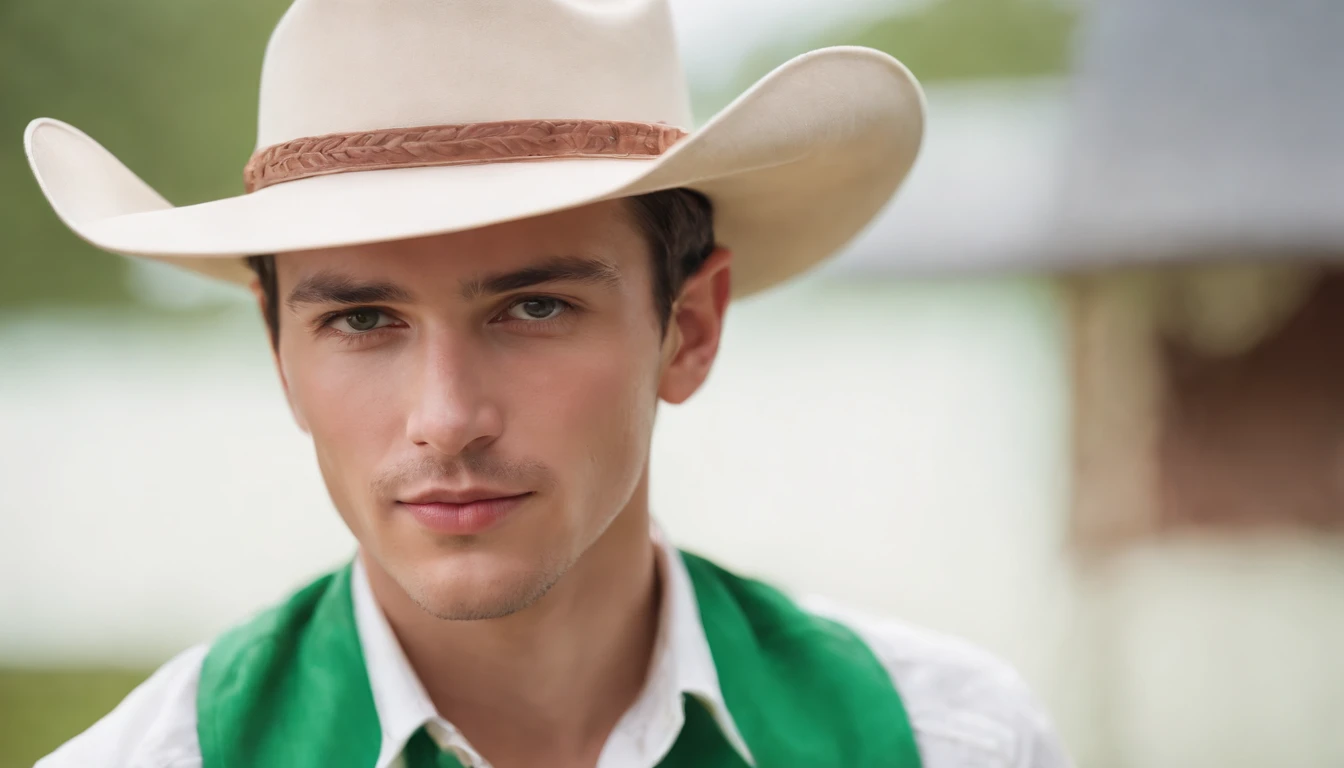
x=538 y=308
x=363 y=319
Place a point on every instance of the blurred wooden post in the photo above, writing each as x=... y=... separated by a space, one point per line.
x=1117 y=393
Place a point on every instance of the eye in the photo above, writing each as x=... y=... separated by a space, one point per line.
x=537 y=308
x=360 y=320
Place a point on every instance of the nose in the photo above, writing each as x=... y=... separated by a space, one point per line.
x=451 y=411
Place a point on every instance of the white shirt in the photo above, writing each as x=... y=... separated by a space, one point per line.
x=968 y=709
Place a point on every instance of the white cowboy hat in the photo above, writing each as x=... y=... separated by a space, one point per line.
x=387 y=120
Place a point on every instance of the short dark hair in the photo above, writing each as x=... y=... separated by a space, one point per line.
x=678 y=224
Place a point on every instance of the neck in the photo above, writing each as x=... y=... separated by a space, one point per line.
x=556 y=676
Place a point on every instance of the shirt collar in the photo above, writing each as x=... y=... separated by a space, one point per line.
x=681 y=665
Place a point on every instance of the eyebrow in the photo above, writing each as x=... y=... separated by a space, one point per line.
x=329 y=287
x=572 y=269
x=333 y=288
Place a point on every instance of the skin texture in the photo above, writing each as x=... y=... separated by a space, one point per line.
x=523 y=360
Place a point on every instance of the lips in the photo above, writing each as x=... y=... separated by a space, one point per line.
x=462 y=496
x=462 y=513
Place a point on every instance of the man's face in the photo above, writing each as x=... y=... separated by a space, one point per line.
x=482 y=402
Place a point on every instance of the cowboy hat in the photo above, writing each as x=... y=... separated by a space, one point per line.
x=387 y=120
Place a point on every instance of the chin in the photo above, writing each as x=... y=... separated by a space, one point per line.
x=466 y=586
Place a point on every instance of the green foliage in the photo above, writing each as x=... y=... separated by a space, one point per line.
x=42 y=709
x=168 y=86
x=964 y=39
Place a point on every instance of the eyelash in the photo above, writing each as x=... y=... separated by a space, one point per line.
x=323 y=323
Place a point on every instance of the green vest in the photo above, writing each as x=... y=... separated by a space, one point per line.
x=289 y=688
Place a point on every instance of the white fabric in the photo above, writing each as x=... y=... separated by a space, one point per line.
x=968 y=709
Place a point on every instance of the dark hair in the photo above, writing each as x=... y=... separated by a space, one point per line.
x=678 y=224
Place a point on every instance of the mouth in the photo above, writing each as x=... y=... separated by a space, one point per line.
x=462 y=513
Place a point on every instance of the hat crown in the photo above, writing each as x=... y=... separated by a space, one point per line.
x=338 y=66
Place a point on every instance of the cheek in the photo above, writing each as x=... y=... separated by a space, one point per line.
x=348 y=407
x=588 y=412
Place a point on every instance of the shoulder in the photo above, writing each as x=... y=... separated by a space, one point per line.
x=967 y=707
x=269 y=640
x=153 y=727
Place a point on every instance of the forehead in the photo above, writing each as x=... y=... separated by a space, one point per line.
x=605 y=231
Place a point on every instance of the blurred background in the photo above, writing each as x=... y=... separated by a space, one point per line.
x=1077 y=395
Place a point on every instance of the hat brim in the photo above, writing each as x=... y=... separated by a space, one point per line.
x=795 y=167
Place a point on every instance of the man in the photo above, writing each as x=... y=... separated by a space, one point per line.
x=486 y=248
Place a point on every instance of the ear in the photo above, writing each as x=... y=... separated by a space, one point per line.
x=695 y=327
x=260 y=296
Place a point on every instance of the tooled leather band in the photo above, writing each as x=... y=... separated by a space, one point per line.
x=469 y=143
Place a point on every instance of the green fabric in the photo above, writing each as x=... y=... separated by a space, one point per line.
x=422 y=752
x=803 y=690
x=289 y=689
x=701 y=743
